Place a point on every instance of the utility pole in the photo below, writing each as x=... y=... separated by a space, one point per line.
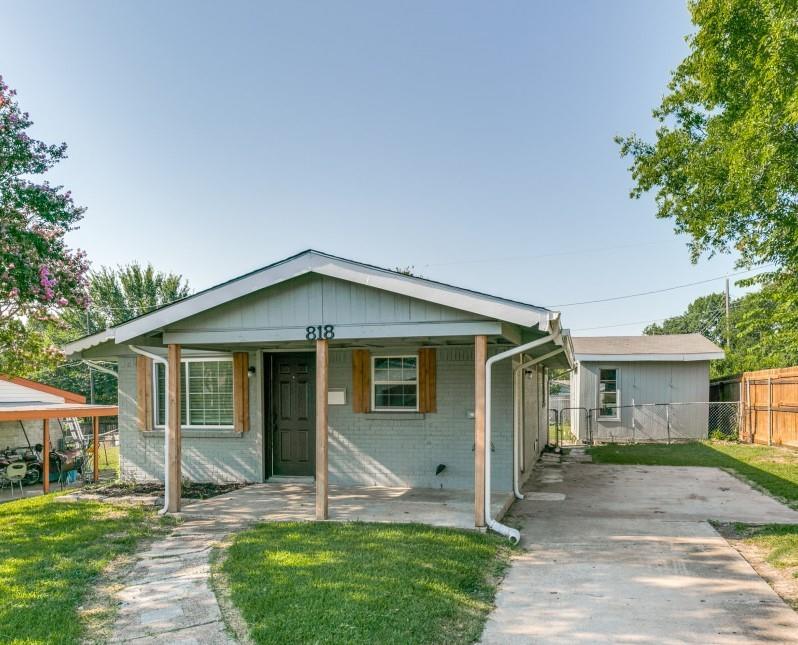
x=728 y=322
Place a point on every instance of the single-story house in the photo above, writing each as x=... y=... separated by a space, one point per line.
x=620 y=386
x=322 y=367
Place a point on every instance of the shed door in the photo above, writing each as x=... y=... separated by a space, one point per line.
x=293 y=430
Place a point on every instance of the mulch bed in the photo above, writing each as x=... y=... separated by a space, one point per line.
x=191 y=490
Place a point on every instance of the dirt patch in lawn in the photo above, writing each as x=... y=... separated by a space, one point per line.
x=783 y=580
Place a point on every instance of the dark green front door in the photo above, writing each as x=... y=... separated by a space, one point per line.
x=294 y=423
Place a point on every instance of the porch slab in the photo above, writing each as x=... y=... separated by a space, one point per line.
x=295 y=502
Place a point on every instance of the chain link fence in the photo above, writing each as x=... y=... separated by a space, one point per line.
x=647 y=423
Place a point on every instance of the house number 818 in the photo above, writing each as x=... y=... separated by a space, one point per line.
x=319 y=332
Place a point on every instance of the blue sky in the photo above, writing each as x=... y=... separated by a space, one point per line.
x=472 y=141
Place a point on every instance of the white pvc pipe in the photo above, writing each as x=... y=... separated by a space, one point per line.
x=100 y=368
x=517 y=426
x=161 y=359
x=512 y=534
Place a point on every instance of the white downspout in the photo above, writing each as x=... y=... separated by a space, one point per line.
x=516 y=429
x=512 y=534
x=160 y=359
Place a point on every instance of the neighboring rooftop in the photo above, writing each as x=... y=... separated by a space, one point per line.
x=662 y=347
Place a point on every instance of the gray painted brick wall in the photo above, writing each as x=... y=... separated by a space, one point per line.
x=218 y=456
x=376 y=449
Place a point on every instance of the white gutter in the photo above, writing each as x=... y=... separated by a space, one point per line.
x=160 y=359
x=100 y=368
x=518 y=370
x=512 y=534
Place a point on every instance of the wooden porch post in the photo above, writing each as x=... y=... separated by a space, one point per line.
x=95 y=442
x=173 y=468
x=322 y=360
x=480 y=357
x=45 y=456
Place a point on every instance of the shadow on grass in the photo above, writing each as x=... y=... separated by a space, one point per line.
x=50 y=554
x=774 y=469
x=363 y=583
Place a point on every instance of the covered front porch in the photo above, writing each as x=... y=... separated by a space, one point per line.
x=296 y=502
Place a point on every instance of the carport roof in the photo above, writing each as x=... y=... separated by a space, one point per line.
x=23 y=411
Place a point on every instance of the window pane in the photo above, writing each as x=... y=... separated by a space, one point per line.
x=210 y=392
x=608 y=374
x=160 y=394
x=395 y=396
x=395 y=379
x=160 y=386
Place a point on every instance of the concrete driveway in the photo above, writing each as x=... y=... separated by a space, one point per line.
x=624 y=554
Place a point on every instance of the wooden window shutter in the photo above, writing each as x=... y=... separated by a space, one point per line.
x=427 y=373
x=361 y=380
x=241 y=391
x=144 y=392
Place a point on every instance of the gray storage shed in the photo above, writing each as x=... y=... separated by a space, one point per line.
x=620 y=384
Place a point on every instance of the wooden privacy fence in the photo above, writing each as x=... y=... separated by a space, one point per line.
x=770 y=406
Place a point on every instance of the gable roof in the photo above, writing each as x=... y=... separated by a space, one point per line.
x=35 y=386
x=310 y=261
x=661 y=347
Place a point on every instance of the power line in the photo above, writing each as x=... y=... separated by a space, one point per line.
x=648 y=293
x=516 y=258
x=715 y=316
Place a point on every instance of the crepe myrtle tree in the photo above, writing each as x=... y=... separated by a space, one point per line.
x=39 y=274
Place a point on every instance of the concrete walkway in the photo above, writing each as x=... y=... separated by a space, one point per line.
x=624 y=554
x=166 y=598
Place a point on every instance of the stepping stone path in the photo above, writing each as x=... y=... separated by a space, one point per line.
x=167 y=598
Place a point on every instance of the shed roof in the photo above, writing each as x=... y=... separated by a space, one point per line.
x=661 y=347
x=35 y=386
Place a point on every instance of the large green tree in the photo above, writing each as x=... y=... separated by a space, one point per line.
x=39 y=274
x=763 y=324
x=116 y=295
x=705 y=315
x=724 y=162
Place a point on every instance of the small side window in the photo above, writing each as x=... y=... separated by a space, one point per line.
x=609 y=395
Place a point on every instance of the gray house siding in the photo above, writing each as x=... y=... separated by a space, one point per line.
x=374 y=449
x=535 y=426
x=642 y=383
x=314 y=299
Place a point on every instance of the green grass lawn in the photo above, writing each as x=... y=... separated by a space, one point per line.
x=50 y=554
x=363 y=583
x=773 y=469
x=780 y=540
x=109 y=458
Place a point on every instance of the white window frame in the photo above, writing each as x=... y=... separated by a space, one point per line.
x=184 y=376
x=374 y=384
x=616 y=415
